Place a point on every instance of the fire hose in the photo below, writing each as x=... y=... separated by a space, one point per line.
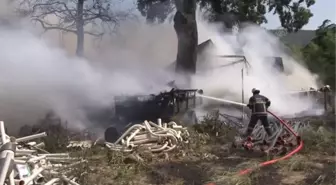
x=282 y=124
x=266 y=163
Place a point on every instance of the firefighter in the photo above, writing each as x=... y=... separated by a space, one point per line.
x=258 y=105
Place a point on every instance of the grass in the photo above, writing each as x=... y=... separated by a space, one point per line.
x=208 y=158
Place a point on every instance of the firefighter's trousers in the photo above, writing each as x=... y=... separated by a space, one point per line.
x=253 y=122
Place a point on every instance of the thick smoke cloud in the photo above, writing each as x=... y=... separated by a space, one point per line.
x=36 y=76
x=256 y=44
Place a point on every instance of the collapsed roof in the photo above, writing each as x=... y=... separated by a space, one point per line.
x=202 y=50
x=205 y=47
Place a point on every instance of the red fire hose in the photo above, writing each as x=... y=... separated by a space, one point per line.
x=300 y=145
x=266 y=163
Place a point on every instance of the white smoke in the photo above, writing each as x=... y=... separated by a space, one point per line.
x=37 y=77
x=226 y=82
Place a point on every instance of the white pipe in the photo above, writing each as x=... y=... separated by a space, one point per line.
x=52 y=181
x=39 y=179
x=145 y=135
x=148 y=137
x=60 y=159
x=25 y=152
x=11 y=178
x=143 y=141
x=5 y=167
x=34 y=159
x=39 y=145
x=35 y=136
x=160 y=135
x=40 y=149
x=51 y=172
x=33 y=176
x=69 y=181
x=160 y=122
x=22 y=158
x=127 y=132
x=131 y=136
x=55 y=155
x=19 y=161
x=3 y=132
x=32 y=143
x=159 y=149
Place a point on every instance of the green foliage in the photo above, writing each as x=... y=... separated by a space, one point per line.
x=155 y=10
x=321 y=139
x=296 y=51
x=320 y=53
x=292 y=15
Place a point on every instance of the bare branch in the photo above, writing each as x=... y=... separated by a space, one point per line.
x=46 y=26
x=99 y=35
x=39 y=5
x=97 y=13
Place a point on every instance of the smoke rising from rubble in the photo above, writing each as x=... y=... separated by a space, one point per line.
x=256 y=44
x=37 y=77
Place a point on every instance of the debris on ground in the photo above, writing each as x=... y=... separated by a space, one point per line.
x=80 y=144
x=160 y=137
x=26 y=163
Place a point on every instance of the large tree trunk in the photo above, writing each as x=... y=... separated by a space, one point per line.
x=80 y=29
x=186 y=30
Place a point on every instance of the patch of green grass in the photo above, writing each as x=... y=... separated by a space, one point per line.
x=320 y=140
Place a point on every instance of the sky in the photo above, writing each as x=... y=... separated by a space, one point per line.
x=322 y=10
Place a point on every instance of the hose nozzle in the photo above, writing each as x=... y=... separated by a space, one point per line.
x=200 y=91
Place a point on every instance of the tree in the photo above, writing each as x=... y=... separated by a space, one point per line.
x=186 y=30
x=74 y=16
x=320 y=53
x=293 y=14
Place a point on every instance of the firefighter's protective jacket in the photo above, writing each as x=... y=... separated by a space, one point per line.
x=259 y=104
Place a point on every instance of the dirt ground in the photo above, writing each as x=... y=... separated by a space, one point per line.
x=210 y=159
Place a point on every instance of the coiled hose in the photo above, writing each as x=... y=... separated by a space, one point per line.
x=288 y=127
x=266 y=163
x=297 y=149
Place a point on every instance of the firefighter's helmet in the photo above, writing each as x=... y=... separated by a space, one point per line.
x=255 y=90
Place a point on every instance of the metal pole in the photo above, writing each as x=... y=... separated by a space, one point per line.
x=242 y=75
x=325 y=100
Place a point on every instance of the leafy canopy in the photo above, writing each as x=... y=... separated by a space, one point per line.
x=293 y=14
x=320 y=53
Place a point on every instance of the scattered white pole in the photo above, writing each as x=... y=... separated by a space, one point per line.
x=31 y=137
